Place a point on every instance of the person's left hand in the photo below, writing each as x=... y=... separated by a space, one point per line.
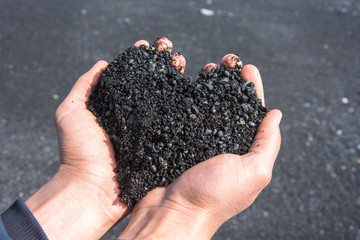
x=211 y=192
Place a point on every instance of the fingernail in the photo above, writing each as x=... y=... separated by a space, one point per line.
x=231 y=61
x=279 y=117
x=141 y=42
x=163 y=44
x=179 y=62
x=209 y=67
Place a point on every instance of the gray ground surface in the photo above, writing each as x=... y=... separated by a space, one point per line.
x=308 y=55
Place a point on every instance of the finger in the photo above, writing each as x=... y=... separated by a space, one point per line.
x=82 y=88
x=179 y=62
x=142 y=42
x=266 y=144
x=251 y=73
x=210 y=67
x=231 y=61
x=163 y=44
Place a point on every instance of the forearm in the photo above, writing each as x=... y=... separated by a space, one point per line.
x=68 y=208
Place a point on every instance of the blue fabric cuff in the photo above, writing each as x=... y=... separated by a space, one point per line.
x=20 y=223
x=3 y=233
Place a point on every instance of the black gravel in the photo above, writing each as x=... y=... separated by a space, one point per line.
x=161 y=122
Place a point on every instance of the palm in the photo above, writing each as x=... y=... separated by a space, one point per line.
x=232 y=180
x=219 y=179
x=85 y=148
x=225 y=179
x=84 y=145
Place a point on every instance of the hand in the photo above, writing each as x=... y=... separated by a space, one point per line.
x=81 y=200
x=208 y=194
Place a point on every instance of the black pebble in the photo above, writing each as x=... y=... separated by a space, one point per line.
x=153 y=168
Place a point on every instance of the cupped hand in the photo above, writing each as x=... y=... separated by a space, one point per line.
x=85 y=149
x=208 y=194
x=81 y=200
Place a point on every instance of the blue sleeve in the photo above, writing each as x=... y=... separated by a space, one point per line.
x=3 y=233
x=19 y=223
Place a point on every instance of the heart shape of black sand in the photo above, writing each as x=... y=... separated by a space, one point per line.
x=161 y=122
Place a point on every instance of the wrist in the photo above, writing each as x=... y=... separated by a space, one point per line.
x=170 y=221
x=67 y=207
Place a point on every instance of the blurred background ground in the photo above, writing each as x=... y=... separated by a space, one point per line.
x=307 y=53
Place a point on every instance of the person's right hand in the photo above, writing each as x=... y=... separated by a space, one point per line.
x=208 y=194
x=81 y=199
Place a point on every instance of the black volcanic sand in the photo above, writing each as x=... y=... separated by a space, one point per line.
x=161 y=122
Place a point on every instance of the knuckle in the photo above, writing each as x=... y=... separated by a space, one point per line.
x=57 y=113
x=102 y=62
x=264 y=175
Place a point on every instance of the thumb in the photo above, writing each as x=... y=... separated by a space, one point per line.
x=82 y=88
x=80 y=92
x=266 y=144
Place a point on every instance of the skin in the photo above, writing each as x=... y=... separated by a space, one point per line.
x=209 y=67
x=142 y=42
x=80 y=201
x=231 y=61
x=163 y=44
x=210 y=193
x=179 y=62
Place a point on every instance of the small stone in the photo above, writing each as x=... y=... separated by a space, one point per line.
x=236 y=146
x=307 y=105
x=151 y=147
x=245 y=98
x=192 y=116
x=209 y=86
x=344 y=100
x=188 y=101
x=214 y=131
x=251 y=124
x=3 y=121
x=195 y=109
x=207 y=12
x=47 y=149
x=242 y=121
x=213 y=109
x=153 y=168
x=245 y=107
x=55 y=97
